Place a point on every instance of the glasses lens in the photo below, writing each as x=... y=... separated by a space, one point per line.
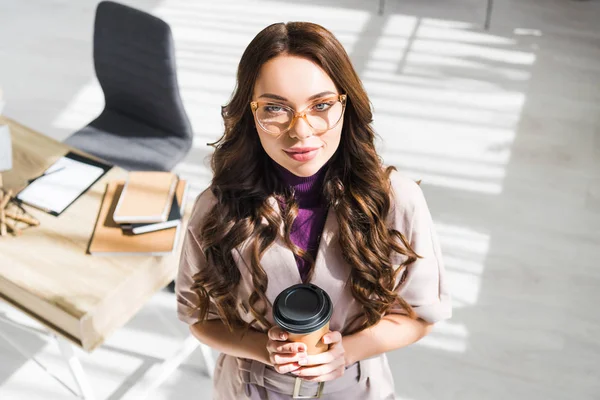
x=325 y=115
x=321 y=116
x=273 y=118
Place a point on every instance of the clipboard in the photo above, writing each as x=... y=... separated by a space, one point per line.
x=62 y=183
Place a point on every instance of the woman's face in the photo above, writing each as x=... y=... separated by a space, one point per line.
x=294 y=81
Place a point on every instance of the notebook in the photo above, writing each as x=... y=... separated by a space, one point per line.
x=62 y=183
x=173 y=220
x=146 y=197
x=109 y=239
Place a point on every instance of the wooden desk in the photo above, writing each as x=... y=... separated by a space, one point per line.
x=46 y=272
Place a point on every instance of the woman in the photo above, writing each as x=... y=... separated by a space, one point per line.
x=299 y=195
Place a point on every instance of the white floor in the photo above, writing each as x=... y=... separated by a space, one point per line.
x=503 y=126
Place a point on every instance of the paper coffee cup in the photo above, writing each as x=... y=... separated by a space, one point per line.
x=304 y=311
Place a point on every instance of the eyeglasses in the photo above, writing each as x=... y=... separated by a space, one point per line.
x=321 y=116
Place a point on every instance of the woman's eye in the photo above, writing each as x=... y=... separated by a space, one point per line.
x=322 y=106
x=273 y=109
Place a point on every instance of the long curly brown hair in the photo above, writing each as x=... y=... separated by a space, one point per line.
x=356 y=186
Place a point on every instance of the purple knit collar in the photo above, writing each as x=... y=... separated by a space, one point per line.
x=308 y=190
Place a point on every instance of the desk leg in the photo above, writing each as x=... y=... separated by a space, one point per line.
x=66 y=350
x=155 y=376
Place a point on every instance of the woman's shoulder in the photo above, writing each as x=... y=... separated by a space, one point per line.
x=204 y=202
x=405 y=191
x=403 y=184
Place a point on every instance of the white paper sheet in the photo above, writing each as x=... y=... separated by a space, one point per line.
x=62 y=183
x=5 y=149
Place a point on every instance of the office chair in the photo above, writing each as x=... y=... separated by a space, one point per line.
x=143 y=125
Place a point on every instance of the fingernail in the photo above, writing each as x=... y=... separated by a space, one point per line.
x=302 y=361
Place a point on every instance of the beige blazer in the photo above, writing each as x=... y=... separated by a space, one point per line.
x=425 y=287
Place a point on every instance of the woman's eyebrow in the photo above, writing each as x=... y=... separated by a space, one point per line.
x=314 y=96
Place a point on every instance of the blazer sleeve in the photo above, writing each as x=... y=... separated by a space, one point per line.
x=424 y=284
x=193 y=260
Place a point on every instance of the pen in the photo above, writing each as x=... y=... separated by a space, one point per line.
x=45 y=174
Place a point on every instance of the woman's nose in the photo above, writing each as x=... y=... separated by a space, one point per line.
x=301 y=129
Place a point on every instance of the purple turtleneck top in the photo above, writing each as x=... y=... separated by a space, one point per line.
x=312 y=212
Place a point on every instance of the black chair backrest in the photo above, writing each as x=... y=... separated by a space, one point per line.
x=134 y=59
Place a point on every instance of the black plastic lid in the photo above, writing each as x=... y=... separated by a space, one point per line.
x=302 y=308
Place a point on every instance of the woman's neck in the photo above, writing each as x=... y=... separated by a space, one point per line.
x=307 y=190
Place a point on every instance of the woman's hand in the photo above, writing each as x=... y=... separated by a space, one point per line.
x=284 y=355
x=325 y=366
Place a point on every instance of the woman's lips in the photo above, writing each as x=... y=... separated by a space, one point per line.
x=303 y=156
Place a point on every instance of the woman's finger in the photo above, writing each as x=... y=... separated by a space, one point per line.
x=286 y=368
x=288 y=347
x=286 y=358
x=332 y=337
x=324 y=378
x=276 y=333
x=291 y=347
x=319 y=370
x=335 y=351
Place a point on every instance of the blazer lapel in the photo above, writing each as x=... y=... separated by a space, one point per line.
x=281 y=268
x=331 y=270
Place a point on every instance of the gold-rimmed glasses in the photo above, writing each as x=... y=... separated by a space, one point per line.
x=321 y=116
